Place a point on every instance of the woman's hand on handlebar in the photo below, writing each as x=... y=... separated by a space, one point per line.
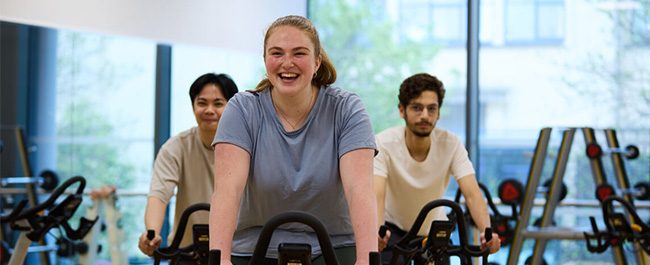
x=148 y=246
x=494 y=244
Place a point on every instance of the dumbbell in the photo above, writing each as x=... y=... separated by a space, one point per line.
x=48 y=180
x=511 y=191
x=641 y=191
x=594 y=151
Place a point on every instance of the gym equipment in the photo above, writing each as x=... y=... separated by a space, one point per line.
x=594 y=150
x=293 y=253
x=619 y=228
x=35 y=222
x=436 y=246
x=70 y=248
x=27 y=169
x=105 y=208
x=30 y=187
x=48 y=180
x=618 y=164
x=196 y=252
x=545 y=231
x=511 y=189
x=602 y=192
x=511 y=192
x=502 y=223
x=640 y=191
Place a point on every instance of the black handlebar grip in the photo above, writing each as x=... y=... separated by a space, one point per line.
x=151 y=234
x=375 y=258
x=488 y=234
x=382 y=231
x=214 y=258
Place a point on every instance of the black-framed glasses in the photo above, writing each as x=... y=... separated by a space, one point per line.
x=418 y=108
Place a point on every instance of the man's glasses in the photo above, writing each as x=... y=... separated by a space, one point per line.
x=418 y=108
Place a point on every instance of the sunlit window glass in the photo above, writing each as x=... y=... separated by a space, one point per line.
x=104 y=115
x=557 y=75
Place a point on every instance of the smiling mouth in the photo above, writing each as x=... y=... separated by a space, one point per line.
x=288 y=76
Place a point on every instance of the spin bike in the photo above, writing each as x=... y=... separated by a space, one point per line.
x=619 y=228
x=504 y=224
x=437 y=247
x=293 y=253
x=35 y=222
x=195 y=253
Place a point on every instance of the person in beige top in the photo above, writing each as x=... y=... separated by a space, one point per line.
x=186 y=162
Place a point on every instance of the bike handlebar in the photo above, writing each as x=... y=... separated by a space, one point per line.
x=622 y=231
x=173 y=251
x=409 y=245
x=288 y=217
x=38 y=223
x=300 y=217
x=50 y=201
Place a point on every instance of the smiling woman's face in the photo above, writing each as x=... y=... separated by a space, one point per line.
x=290 y=60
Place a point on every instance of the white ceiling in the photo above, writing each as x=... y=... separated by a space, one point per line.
x=229 y=24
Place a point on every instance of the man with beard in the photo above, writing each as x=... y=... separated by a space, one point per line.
x=415 y=163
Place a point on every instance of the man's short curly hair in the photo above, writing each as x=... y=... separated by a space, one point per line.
x=413 y=87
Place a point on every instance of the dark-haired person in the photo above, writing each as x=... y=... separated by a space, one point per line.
x=299 y=143
x=186 y=162
x=415 y=163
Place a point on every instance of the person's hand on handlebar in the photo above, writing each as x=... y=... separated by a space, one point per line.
x=382 y=238
x=148 y=246
x=494 y=244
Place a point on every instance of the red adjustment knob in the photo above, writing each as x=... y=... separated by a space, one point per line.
x=603 y=191
x=594 y=151
x=510 y=191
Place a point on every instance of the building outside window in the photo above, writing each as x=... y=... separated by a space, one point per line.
x=534 y=22
x=539 y=66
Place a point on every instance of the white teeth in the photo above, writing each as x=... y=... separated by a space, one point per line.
x=288 y=75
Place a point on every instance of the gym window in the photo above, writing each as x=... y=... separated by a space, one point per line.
x=534 y=22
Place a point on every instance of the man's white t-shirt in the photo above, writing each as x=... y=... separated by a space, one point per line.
x=411 y=184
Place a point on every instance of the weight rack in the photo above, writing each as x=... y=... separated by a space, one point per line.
x=105 y=208
x=31 y=193
x=622 y=182
x=546 y=231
